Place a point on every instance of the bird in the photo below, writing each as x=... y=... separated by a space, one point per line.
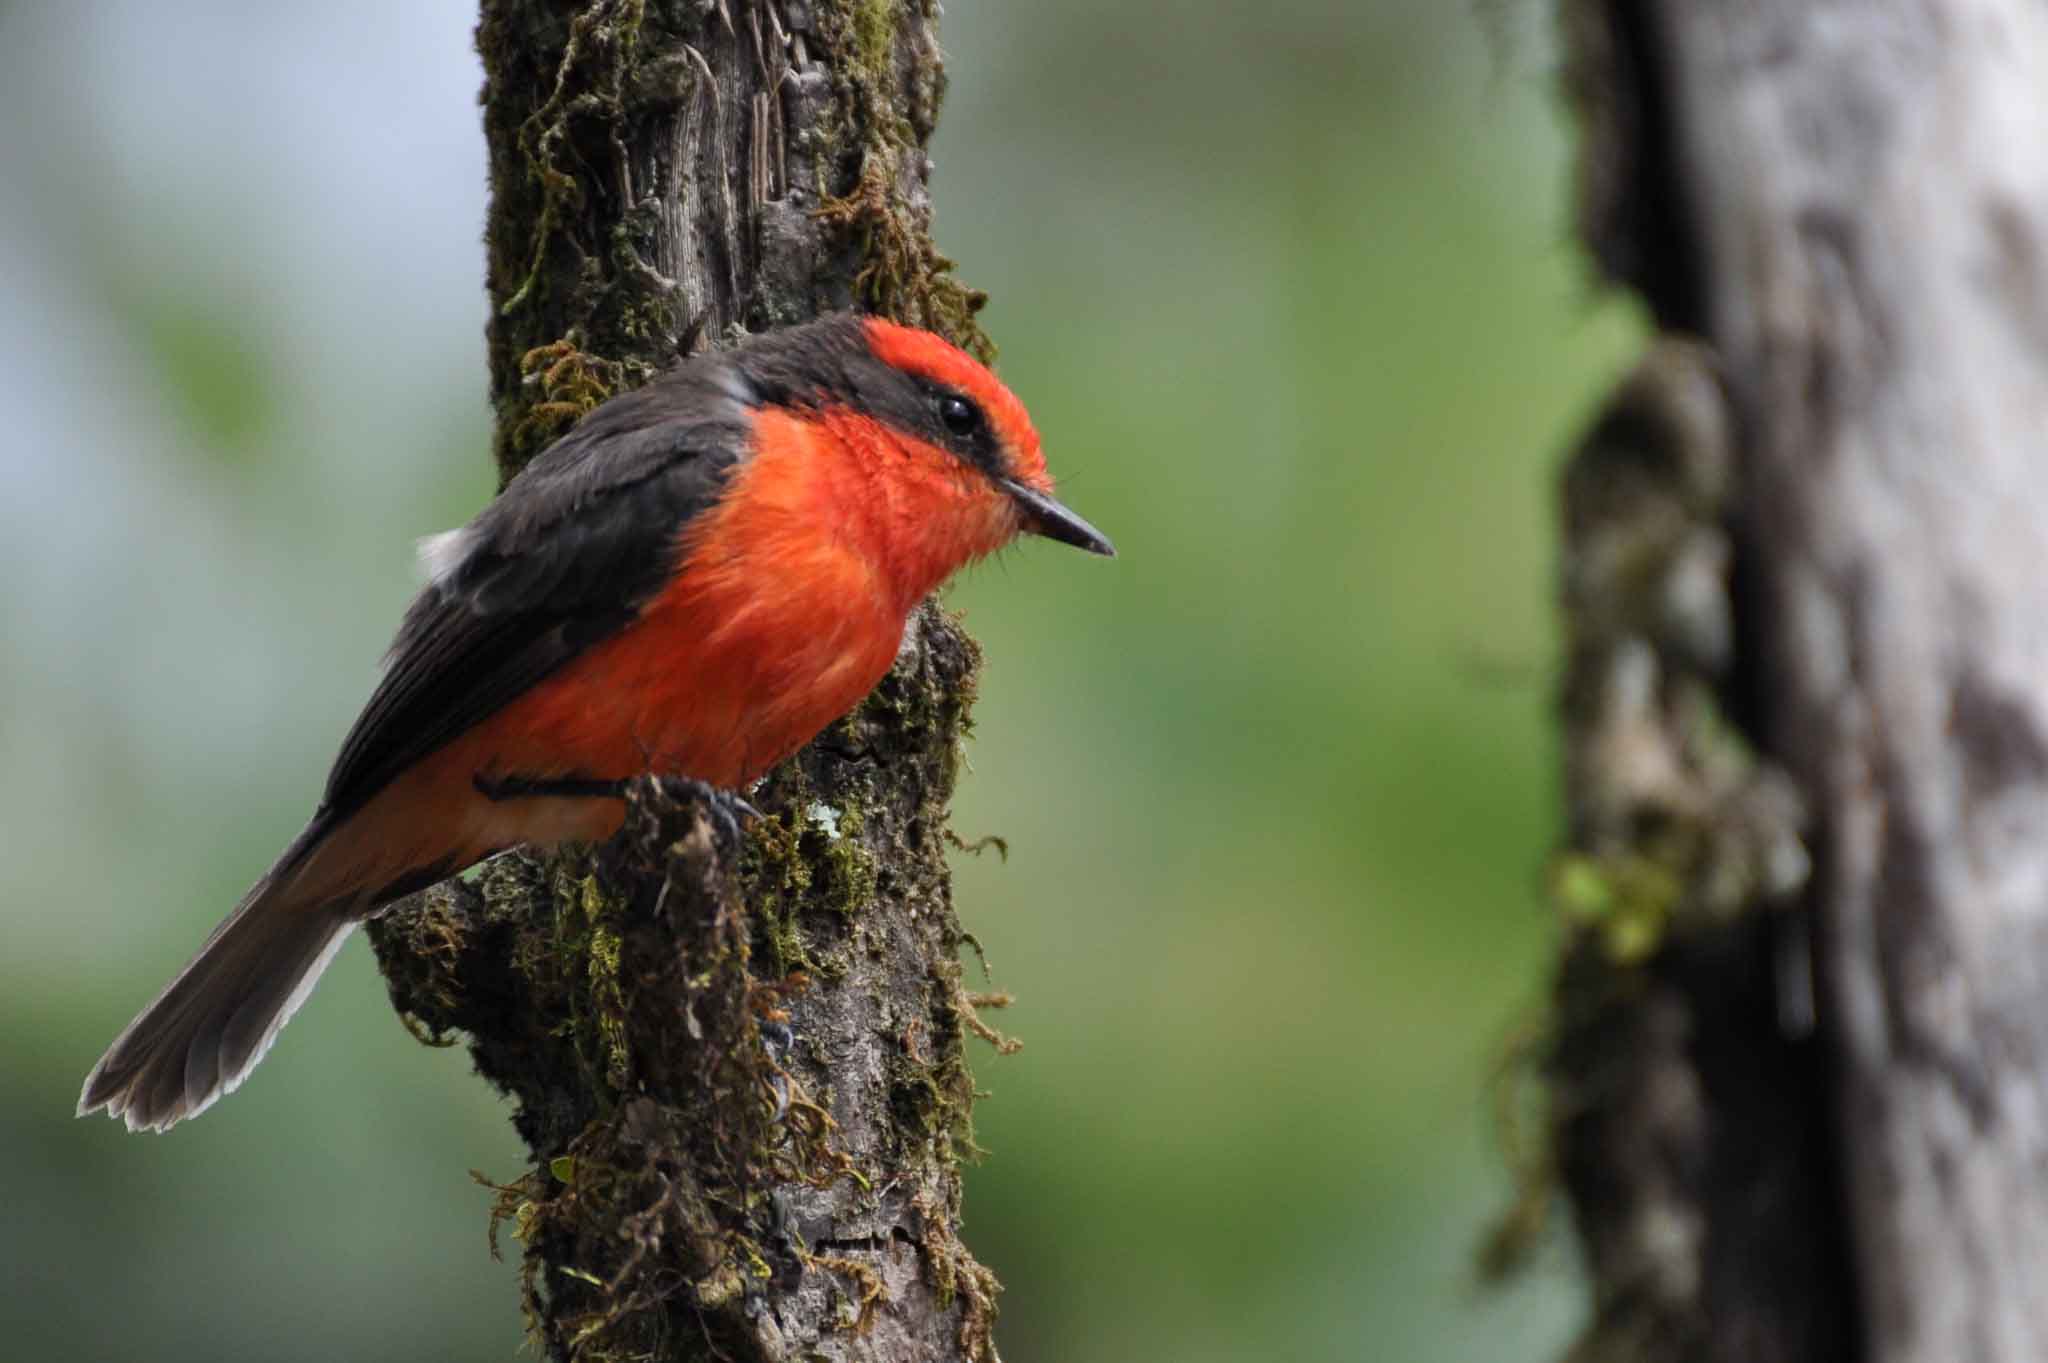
x=694 y=581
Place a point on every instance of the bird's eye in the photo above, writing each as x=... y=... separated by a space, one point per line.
x=960 y=416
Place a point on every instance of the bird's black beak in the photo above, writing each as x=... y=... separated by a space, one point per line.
x=1044 y=516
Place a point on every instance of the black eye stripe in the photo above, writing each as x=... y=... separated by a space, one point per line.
x=919 y=406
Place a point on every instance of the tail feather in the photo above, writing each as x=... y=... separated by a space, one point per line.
x=212 y=1024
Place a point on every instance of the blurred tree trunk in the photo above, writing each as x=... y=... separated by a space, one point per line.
x=1799 y=1063
x=738 y=1060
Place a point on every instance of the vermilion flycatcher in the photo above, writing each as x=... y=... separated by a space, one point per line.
x=693 y=582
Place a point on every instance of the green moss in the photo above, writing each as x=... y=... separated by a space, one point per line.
x=902 y=274
x=850 y=871
x=957 y=1276
x=1627 y=899
x=578 y=953
x=565 y=382
x=854 y=1312
x=874 y=32
x=606 y=38
x=570 y=285
x=668 y=1169
x=779 y=872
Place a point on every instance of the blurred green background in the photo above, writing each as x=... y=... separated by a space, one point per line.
x=1290 y=291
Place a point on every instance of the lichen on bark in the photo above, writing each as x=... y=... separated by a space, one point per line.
x=737 y=1056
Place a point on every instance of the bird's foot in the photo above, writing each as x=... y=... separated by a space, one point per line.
x=728 y=810
x=501 y=788
x=678 y=788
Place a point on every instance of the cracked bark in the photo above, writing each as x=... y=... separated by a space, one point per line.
x=738 y=1059
x=1799 y=1057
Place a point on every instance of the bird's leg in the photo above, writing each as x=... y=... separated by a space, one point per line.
x=500 y=788
x=727 y=807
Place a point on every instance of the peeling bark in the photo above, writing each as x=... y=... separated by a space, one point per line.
x=736 y=1056
x=1807 y=1119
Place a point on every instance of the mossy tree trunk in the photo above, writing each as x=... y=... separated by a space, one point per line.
x=738 y=1059
x=1798 y=1068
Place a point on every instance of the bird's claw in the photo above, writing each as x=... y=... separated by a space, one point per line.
x=728 y=811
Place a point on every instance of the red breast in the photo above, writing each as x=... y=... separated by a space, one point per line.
x=787 y=607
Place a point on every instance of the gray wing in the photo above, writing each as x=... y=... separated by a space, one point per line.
x=568 y=554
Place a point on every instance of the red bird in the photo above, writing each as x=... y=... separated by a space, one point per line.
x=693 y=582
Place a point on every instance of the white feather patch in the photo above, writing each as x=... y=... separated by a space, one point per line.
x=736 y=385
x=441 y=555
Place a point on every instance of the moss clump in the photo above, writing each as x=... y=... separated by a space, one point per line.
x=904 y=276
x=851 y=875
x=1628 y=899
x=884 y=214
x=932 y=1088
x=602 y=1003
x=778 y=877
x=563 y=382
x=874 y=34
x=574 y=305
x=855 y=1312
x=656 y=1145
x=808 y=859
x=958 y=1277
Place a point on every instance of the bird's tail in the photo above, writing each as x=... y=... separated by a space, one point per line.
x=215 y=1021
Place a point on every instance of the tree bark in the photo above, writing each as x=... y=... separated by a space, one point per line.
x=1799 y=1058
x=737 y=1058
